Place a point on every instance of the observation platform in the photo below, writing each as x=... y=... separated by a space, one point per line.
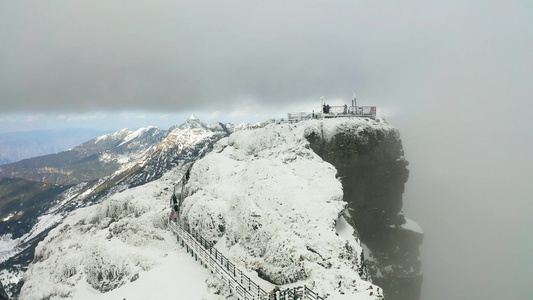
x=335 y=112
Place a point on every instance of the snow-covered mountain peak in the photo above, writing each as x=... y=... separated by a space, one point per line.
x=181 y=137
x=190 y=123
x=271 y=204
x=134 y=134
x=241 y=126
x=218 y=126
x=274 y=204
x=121 y=134
x=192 y=131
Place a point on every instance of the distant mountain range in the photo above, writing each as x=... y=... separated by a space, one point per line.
x=37 y=193
x=16 y=146
x=105 y=155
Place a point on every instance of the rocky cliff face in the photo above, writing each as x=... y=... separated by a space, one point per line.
x=370 y=162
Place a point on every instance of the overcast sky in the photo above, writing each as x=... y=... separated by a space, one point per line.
x=454 y=76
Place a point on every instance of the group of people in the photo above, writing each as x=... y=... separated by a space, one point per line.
x=326 y=108
x=174 y=201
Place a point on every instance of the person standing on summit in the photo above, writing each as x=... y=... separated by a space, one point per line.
x=176 y=212
x=174 y=205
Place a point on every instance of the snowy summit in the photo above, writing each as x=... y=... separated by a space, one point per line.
x=264 y=198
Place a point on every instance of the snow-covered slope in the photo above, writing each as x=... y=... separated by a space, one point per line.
x=105 y=245
x=183 y=145
x=176 y=150
x=272 y=205
x=275 y=203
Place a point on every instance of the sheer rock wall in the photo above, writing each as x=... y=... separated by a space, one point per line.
x=370 y=162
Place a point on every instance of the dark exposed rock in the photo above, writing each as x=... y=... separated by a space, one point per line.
x=370 y=163
x=22 y=202
x=3 y=294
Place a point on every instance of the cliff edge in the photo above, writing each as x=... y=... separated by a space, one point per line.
x=370 y=162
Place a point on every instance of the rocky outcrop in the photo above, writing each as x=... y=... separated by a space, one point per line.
x=369 y=158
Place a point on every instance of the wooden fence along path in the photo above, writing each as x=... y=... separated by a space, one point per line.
x=239 y=284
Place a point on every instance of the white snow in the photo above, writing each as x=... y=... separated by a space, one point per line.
x=412 y=226
x=114 y=134
x=11 y=215
x=105 y=245
x=345 y=231
x=178 y=276
x=135 y=134
x=263 y=195
x=182 y=138
x=10 y=247
x=278 y=203
x=224 y=249
x=331 y=127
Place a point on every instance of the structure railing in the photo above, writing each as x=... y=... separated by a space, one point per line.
x=300 y=116
x=333 y=112
x=358 y=111
x=238 y=282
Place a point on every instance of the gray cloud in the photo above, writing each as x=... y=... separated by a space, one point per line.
x=98 y=55
x=453 y=76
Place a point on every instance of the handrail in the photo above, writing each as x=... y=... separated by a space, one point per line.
x=238 y=282
x=358 y=111
x=209 y=256
x=334 y=111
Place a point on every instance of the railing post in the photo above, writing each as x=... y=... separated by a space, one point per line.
x=194 y=242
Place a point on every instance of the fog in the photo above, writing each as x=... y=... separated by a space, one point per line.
x=453 y=76
x=470 y=189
